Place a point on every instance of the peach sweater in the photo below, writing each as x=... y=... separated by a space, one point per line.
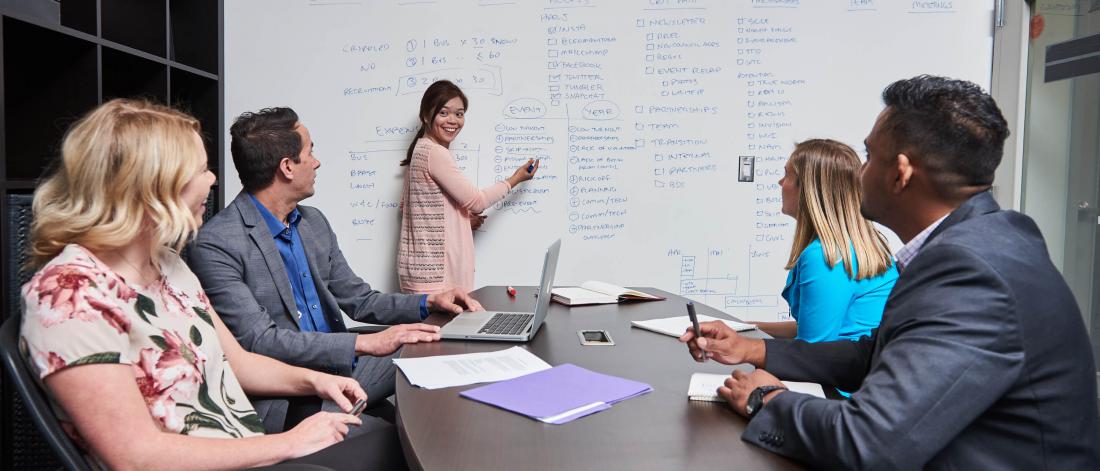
x=436 y=250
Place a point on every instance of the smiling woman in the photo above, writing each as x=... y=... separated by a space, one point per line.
x=440 y=207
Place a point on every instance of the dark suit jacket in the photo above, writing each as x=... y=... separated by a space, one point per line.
x=981 y=362
x=240 y=268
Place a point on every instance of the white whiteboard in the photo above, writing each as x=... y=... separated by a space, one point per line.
x=639 y=110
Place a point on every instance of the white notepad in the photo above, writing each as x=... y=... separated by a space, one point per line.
x=598 y=292
x=676 y=326
x=704 y=387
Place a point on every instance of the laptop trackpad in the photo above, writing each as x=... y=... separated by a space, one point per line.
x=467 y=322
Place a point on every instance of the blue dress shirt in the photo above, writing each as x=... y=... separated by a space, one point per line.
x=311 y=313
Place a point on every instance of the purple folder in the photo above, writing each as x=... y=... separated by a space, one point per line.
x=558 y=395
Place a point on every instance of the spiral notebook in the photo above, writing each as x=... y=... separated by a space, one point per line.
x=704 y=387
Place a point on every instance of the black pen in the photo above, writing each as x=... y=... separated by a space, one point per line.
x=695 y=324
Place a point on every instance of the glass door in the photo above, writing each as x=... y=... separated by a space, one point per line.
x=1061 y=179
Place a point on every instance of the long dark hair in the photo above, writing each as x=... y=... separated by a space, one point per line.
x=437 y=95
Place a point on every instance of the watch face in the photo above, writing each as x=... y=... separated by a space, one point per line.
x=755 y=398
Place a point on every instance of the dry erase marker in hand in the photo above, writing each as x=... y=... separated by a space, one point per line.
x=695 y=323
x=531 y=167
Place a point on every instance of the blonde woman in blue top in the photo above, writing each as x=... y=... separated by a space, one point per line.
x=841 y=270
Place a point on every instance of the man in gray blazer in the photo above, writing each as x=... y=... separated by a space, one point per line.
x=275 y=274
x=981 y=360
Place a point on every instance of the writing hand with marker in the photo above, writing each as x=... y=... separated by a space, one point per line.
x=476 y=220
x=524 y=172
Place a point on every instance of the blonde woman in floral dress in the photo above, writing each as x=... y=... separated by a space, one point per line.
x=140 y=370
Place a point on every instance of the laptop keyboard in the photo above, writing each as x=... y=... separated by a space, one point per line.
x=506 y=323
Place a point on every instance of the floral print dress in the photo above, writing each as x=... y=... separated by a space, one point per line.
x=79 y=312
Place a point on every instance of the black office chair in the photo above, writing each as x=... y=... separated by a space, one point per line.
x=34 y=399
x=24 y=447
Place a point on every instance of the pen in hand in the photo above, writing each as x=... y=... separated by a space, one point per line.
x=695 y=325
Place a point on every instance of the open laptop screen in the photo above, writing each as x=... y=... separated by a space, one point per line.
x=546 y=283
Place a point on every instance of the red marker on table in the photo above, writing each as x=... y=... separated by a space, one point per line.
x=511 y=291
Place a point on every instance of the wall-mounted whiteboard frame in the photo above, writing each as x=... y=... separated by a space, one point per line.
x=1004 y=74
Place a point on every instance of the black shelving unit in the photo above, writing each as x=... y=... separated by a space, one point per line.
x=129 y=76
x=60 y=59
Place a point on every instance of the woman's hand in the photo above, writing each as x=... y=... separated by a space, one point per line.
x=342 y=390
x=521 y=174
x=319 y=431
x=779 y=330
x=476 y=220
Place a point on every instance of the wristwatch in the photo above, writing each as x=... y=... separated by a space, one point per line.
x=756 y=398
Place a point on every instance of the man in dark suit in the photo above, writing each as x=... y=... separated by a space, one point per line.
x=981 y=360
x=275 y=274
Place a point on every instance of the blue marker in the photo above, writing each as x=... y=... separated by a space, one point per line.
x=531 y=168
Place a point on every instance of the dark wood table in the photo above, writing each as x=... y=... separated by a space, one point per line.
x=659 y=430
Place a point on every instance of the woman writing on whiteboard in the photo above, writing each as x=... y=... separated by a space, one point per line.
x=841 y=270
x=440 y=207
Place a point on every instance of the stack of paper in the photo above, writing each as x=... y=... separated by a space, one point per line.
x=704 y=387
x=445 y=371
x=558 y=395
x=676 y=326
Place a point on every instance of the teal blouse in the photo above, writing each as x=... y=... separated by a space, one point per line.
x=830 y=305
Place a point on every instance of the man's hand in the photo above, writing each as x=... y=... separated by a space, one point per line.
x=342 y=390
x=724 y=345
x=453 y=302
x=740 y=384
x=389 y=340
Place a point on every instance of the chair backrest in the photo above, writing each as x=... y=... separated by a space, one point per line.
x=34 y=399
x=24 y=447
x=19 y=226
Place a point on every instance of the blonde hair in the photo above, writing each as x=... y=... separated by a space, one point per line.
x=827 y=173
x=124 y=163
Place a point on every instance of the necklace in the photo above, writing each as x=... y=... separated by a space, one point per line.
x=141 y=274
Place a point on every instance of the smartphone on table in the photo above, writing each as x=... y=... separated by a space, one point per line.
x=595 y=337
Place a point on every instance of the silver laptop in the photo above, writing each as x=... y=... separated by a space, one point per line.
x=508 y=326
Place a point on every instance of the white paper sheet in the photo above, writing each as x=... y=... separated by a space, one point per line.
x=675 y=326
x=445 y=371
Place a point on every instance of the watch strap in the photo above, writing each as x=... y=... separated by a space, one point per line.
x=756 y=398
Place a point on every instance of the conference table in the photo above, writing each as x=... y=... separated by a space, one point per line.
x=440 y=430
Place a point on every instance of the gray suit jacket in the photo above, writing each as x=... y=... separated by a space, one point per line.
x=240 y=268
x=981 y=362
